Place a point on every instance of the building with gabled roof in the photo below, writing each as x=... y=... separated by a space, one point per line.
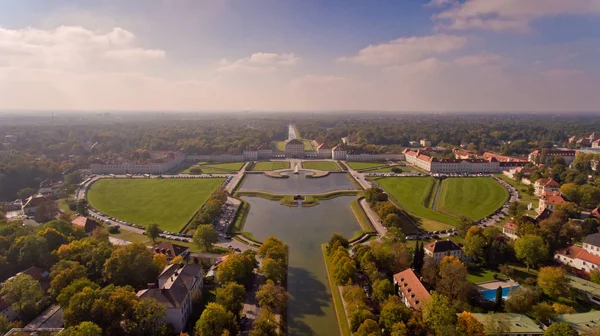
x=510 y=230
x=42 y=276
x=87 y=224
x=518 y=324
x=584 y=323
x=170 y=250
x=176 y=285
x=549 y=202
x=443 y=248
x=567 y=154
x=410 y=289
x=339 y=153
x=294 y=148
x=546 y=186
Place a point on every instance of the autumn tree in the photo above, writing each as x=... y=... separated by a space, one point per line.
x=520 y=300
x=216 y=320
x=237 y=267
x=463 y=226
x=117 y=269
x=368 y=328
x=452 y=280
x=560 y=329
x=382 y=289
x=275 y=249
x=89 y=252
x=553 y=281
x=205 y=236
x=23 y=293
x=531 y=250
x=439 y=314
x=64 y=273
x=475 y=243
x=264 y=325
x=73 y=288
x=159 y=260
x=272 y=296
x=83 y=329
x=336 y=241
x=393 y=311
x=148 y=318
x=467 y=324
x=543 y=312
x=231 y=296
x=272 y=270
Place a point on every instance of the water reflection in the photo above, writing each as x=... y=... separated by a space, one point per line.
x=298 y=183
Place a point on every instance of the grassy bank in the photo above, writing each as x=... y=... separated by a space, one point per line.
x=364 y=165
x=361 y=216
x=338 y=304
x=240 y=217
x=321 y=165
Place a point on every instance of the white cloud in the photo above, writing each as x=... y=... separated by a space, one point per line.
x=440 y=3
x=510 y=15
x=479 y=59
x=407 y=49
x=258 y=63
x=135 y=55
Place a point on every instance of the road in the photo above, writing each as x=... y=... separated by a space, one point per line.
x=373 y=217
x=360 y=177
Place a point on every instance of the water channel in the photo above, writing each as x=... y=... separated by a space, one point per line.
x=298 y=183
x=310 y=309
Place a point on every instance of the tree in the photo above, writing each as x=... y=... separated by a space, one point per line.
x=589 y=196
x=89 y=252
x=205 y=236
x=63 y=274
x=368 y=328
x=595 y=276
x=453 y=279
x=153 y=232
x=177 y=260
x=23 y=293
x=272 y=270
x=400 y=329
x=264 y=325
x=393 y=311
x=467 y=324
x=45 y=211
x=430 y=271
x=216 y=320
x=497 y=324
x=553 y=281
x=118 y=268
x=563 y=309
x=231 y=296
x=25 y=192
x=335 y=241
x=159 y=260
x=82 y=207
x=543 y=312
x=382 y=289
x=498 y=298
x=560 y=329
x=531 y=249
x=54 y=239
x=237 y=267
x=272 y=296
x=73 y=288
x=148 y=317
x=570 y=191
x=395 y=234
x=439 y=314
x=4 y=325
x=464 y=224
x=275 y=249
x=520 y=300
x=419 y=256
x=357 y=316
x=392 y=220
x=83 y=329
x=475 y=243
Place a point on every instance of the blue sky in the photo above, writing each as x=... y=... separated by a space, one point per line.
x=403 y=55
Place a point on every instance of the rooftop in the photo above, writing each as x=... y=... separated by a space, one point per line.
x=584 y=323
x=176 y=283
x=442 y=246
x=89 y=225
x=577 y=252
x=592 y=239
x=412 y=288
x=585 y=286
x=519 y=324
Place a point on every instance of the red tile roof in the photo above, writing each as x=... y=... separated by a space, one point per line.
x=89 y=225
x=510 y=225
x=412 y=288
x=548 y=183
x=442 y=246
x=555 y=199
x=578 y=252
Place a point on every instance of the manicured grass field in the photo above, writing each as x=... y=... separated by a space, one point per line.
x=480 y=275
x=169 y=202
x=364 y=165
x=413 y=194
x=474 y=197
x=216 y=168
x=271 y=165
x=308 y=145
x=227 y=166
x=321 y=165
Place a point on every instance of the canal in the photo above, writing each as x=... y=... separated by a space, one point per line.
x=298 y=183
x=310 y=309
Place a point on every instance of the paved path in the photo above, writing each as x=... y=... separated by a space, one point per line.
x=373 y=217
x=358 y=176
x=251 y=309
x=236 y=179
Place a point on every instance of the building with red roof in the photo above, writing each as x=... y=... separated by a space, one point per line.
x=510 y=230
x=583 y=258
x=410 y=289
x=546 y=186
x=549 y=202
x=88 y=225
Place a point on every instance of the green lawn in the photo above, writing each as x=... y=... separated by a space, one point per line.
x=169 y=202
x=321 y=165
x=413 y=193
x=338 y=304
x=308 y=145
x=405 y=169
x=216 y=168
x=364 y=165
x=524 y=198
x=473 y=197
x=479 y=275
x=236 y=166
x=361 y=217
x=271 y=165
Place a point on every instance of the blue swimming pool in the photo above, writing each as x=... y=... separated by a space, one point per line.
x=490 y=294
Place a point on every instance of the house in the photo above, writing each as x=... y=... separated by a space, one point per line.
x=49 y=188
x=31 y=204
x=546 y=186
x=442 y=248
x=425 y=143
x=567 y=154
x=42 y=276
x=170 y=250
x=549 y=202
x=324 y=151
x=510 y=230
x=596 y=144
x=176 y=285
x=584 y=323
x=88 y=225
x=518 y=324
x=410 y=289
x=595 y=213
x=583 y=258
x=526 y=172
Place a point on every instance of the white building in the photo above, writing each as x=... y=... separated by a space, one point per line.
x=176 y=285
x=410 y=289
x=425 y=143
x=510 y=230
x=586 y=258
x=375 y=157
x=216 y=158
x=443 y=248
x=339 y=153
x=567 y=154
x=546 y=186
x=294 y=148
x=324 y=151
x=454 y=166
x=550 y=201
x=158 y=164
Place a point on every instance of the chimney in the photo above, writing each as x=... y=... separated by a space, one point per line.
x=151 y=285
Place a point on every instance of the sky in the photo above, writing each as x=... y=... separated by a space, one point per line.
x=303 y=55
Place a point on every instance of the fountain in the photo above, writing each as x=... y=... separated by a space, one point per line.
x=296 y=169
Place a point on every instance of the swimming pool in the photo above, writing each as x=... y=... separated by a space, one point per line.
x=490 y=294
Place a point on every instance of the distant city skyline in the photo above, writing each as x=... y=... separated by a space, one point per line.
x=233 y=55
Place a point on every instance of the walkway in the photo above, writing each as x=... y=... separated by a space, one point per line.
x=358 y=176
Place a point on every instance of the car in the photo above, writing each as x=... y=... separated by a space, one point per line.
x=237 y=249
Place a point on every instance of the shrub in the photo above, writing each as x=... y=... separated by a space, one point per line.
x=113 y=229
